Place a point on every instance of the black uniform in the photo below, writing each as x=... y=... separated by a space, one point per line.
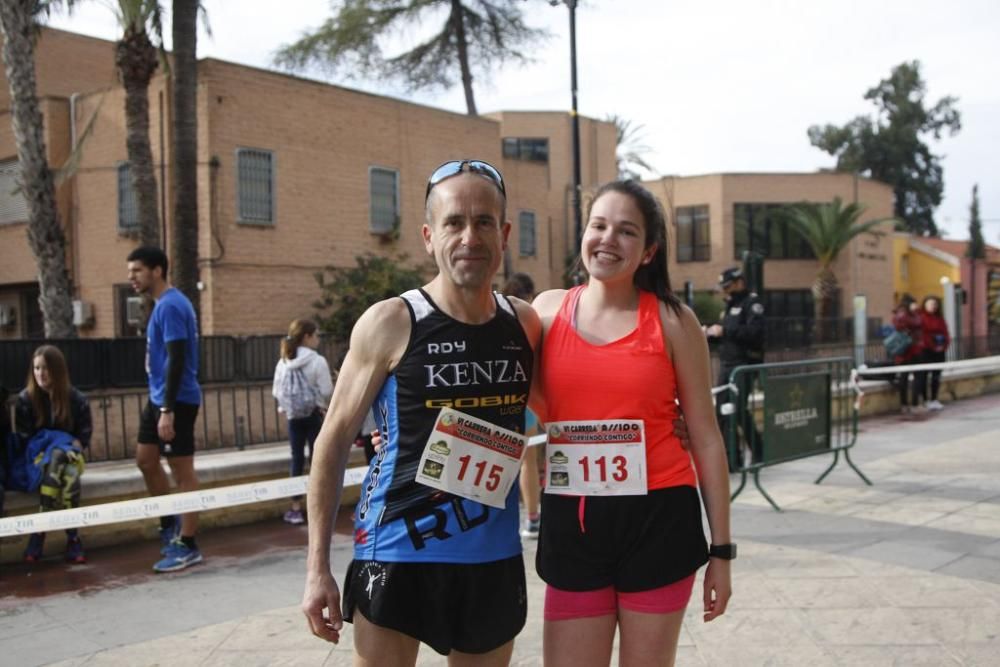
x=742 y=344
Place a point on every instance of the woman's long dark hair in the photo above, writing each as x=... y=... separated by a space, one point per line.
x=58 y=393
x=653 y=276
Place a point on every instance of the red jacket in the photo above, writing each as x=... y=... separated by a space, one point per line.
x=911 y=324
x=935 y=332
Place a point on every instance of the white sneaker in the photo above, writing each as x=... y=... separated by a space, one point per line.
x=935 y=405
x=918 y=409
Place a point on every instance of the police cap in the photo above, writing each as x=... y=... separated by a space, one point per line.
x=729 y=276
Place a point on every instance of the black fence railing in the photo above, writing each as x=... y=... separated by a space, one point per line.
x=791 y=332
x=120 y=362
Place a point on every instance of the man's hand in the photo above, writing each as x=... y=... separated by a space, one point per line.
x=681 y=431
x=165 y=427
x=714 y=331
x=322 y=593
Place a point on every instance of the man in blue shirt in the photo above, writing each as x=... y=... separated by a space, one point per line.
x=166 y=426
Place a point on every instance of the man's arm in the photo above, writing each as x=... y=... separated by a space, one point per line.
x=176 y=351
x=377 y=343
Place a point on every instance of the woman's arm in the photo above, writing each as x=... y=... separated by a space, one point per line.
x=689 y=351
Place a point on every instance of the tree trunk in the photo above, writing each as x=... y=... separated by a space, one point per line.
x=135 y=57
x=824 y=291
x=185 y=150
x=462 y=44
x=45 y=234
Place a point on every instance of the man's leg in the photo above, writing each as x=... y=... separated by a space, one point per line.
x=147 y=458
x=375 y=646
x=186 y=478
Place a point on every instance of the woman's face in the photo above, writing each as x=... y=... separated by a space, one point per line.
x=41 y=371
x=914 y=307
x=311 y=340
x=932 y=305
x=613 y=244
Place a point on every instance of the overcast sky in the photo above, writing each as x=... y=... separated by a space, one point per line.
x=719 y=85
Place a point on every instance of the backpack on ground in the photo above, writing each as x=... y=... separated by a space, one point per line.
x=295 y=395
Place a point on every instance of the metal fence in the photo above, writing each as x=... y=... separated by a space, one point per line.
x=120 y=362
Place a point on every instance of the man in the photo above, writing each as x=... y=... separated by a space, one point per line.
x=166 y=426
x=428 y=566
x=741 y=342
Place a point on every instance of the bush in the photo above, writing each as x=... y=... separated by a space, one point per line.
x=708 y=306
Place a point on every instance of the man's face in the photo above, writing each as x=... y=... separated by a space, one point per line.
x=141 y=277
x=734 y=286
x=467 y=236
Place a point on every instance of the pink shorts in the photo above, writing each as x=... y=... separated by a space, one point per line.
x=563 y=605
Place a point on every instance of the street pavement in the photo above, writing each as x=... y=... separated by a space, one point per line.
x=905 y=572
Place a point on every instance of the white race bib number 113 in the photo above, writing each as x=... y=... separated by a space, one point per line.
x=596 y=458
x=471 y=458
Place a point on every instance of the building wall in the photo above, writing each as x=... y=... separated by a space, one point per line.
x=865 y=267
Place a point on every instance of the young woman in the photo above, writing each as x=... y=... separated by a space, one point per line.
x=49 y=401
x=906 y=319
x=936 y=341
x=623 y=348
x=302 y=387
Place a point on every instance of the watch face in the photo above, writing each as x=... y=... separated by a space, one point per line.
x=724 y=551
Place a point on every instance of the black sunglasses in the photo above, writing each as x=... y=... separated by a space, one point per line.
x=456 y=167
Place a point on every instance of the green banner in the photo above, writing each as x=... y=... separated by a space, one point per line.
x=796 y=415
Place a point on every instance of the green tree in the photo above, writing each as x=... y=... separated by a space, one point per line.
x=827 y=228
x=347 y=292
x=477 y=35
x=19 y=25
x=977 y=245
x=184 y=249
x=630 y=155
x=891 y=146
x=137 y=56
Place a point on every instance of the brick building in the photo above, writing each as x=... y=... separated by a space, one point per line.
x=718 y=216
x=294 y=175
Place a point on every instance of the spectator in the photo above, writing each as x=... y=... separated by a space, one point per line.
x=523 y=287
x=906 y=320
x=935 y=340
x=302 y=387
x=50 y=403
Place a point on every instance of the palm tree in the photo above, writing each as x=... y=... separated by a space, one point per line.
x=185 y=149
x=827 y=228
x=137 y=58
x=476 y=35
x=631 y=151
x=19 y=26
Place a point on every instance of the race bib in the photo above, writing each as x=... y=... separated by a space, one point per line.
x=471 y=458
x=596 y=458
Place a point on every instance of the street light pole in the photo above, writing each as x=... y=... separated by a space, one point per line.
x=575 y=118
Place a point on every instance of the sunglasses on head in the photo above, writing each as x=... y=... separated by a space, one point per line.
x=456 y=167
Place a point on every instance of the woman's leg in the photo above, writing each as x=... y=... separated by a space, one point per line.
x=648 y=639
x=579 y=627
x=297 y=431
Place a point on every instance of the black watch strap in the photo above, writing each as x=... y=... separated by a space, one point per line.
x=723 y=551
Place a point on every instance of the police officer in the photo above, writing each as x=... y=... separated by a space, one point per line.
x=741 y=342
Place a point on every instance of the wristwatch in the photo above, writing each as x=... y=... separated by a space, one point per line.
x=723 y=551
x=166 y=411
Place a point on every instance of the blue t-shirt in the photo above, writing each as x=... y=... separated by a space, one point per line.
x=172 y=319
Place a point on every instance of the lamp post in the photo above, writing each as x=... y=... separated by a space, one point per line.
x=577 y=204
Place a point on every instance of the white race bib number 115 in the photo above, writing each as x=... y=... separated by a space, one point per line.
x=596 y=458
x=471 y=458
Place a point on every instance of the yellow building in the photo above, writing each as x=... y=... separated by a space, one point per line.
x=919 y=268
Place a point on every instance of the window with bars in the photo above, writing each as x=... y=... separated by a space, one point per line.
x=520 y=148
x=13 y=205
x=526 y=234
x=128 y=200
x=383 y=196
x=255 y=186
x=693 y=244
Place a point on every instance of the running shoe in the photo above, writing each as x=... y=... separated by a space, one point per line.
x=74 y=551
x=33 y=552
x=295 y=517
x=530 y=529
x=168 y=535
x=935 y=405
x=177 y=557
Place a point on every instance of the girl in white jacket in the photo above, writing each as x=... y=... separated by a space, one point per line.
x=302 y=387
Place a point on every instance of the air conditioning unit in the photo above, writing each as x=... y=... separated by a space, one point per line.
x=8 y=315
x=133 y=311
x=83 y=313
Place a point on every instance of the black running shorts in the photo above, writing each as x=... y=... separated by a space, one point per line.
x=185 y=415
x=472 y=608
x=634 y=543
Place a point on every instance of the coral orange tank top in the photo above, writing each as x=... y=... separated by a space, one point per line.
x=630 y=378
